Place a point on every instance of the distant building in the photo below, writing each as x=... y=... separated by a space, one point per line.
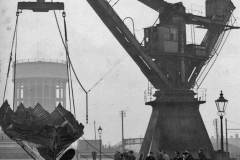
x=41 y=82
x=233 y=146
x=133 y=144
x=85 y=148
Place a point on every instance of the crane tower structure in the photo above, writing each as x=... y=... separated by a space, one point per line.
x=172 y=66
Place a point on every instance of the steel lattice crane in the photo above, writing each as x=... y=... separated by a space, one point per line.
x=173 y=67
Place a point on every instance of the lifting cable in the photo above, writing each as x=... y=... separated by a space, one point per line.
x=209 y=60
x=215 y=56
x=217 y=52
x=115 y=3
x=71 y=67
x=10 y=57
x=70 y=63
x=95 y=84
x=15 y=67
x=107 y=73
x=69 y=92
x=67 y=64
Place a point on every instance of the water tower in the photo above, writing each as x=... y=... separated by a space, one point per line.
x=40 y=81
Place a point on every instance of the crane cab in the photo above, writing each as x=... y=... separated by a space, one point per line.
x=165 y=40
x=161 y=39
x=196 y=51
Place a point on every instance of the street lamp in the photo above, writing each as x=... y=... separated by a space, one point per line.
x=221 y=104
x=100 y=139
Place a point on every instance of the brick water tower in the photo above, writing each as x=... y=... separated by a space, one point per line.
x=41 y=81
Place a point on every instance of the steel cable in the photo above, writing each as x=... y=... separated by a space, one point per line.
x=11 y=53
x=217 y=52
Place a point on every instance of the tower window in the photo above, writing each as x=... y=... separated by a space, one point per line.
x=171 y=34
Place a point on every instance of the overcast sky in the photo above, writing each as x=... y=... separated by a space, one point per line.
x=94 y=51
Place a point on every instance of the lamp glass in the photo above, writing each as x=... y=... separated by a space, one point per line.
x=99 y=130
x=221 y=104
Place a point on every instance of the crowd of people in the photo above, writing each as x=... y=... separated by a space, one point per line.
x=161 y=155
x=128 y=155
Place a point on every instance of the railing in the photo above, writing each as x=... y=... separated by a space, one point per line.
x=201 y=94
x=149 y=93
x=41 y=60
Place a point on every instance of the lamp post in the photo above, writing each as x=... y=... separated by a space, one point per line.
x=221 y=104
x=100 y=139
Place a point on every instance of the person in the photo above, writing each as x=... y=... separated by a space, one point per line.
x=125 y=156
x=131 y=155
x=188 y=156
x=201 y=155
x=94 y=155
x=141 y=156
x=160 y=155
x=117 y=156
x=177 y=156
x=121 y=156
x=166 y=156
x=184 y=155
x=151 y=156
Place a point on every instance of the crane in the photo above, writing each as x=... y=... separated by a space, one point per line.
x=173 y=67
x=169 y=63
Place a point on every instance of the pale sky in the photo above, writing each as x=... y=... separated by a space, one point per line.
x=94 y=51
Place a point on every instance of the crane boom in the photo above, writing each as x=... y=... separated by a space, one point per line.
x=129 y=42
